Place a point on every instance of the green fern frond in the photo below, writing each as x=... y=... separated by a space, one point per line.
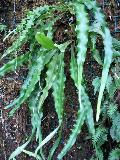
x=114 y=154
x=58 y=89
x=99 y=154
x=107 y=40
x=115 y=128
x=24 y=29
x=89 y=112
x=96 y=84
x=32 y=78
x=106 y=66
x=85 y=112
x=111 y=110
x=110 y=87
x=36 y=115
x=50 y=78
x=98 y=140
x=99 y=134
x=75 y=131
x=116 y=54
x=58 y=92
x=82 y=38
x=116 y=44
x=14 y=64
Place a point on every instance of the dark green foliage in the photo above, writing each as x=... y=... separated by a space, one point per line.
x=115 y=128
x=37 y=31
x=109 y=112
x=115 y=154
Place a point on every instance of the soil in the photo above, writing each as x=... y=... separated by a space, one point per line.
x=13 y=131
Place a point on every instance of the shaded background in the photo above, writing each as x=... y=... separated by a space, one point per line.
x=14 y=131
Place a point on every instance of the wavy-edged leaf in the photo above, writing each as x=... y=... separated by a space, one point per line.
x=86 y=103
x=83 y=114
x=33 y=102
x=89 y=112
x=50 y=80
x=50 y=77
x=58 y=88
x=13 y=64
x=75 y=131
x=107 y=62
x=82 y=39
x=36 y=115
x=58 y=94
x=107 y=40
x=28 y=86
x=32 y=78
x=24 y=29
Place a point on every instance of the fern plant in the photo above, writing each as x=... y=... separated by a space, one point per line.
x=110 y=113
x=37 y=30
